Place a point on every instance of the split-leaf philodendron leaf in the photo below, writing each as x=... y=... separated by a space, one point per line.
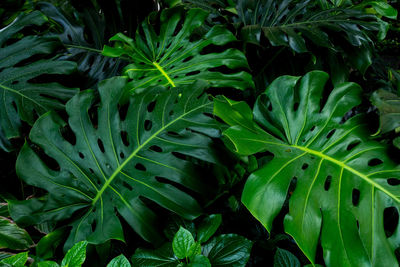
x=175 y=54
x=109 y=164
x=340 y=183
x=21 y=98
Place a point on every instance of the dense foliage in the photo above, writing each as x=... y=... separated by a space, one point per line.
x=199 y=133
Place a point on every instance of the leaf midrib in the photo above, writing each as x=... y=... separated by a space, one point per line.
x=141 y=146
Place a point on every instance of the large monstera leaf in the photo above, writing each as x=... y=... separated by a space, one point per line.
x=107 y=168
x=21 y=97
x=344 y=183
x=176 y=54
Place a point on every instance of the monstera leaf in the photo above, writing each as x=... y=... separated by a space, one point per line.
x=119 y=159
x=177 y=54
x=22 y=98
x=339 y=183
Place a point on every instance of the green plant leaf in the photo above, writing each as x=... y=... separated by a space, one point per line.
x=12 y=236
x=21 y=96
x=173 y=224
x=381 y=7
x=120 y=261
x=47 y=245
x=396 y=142
x=208 y=227
x=48 y=264
x=284 y=258
x=228 y=250
x=340 y=183
x=163 y=256
x=199 y=261
x=115 y=160
x=182 y=243
x=76 y=255
x=174 y=58
x=388 y=105
x=17 y=260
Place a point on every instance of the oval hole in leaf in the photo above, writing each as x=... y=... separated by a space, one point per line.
x=355 y=196
x=140 y=167
x=147 y=125
x=156 y=148
x=390 y=220
x=393 y=181
x=328 y=181
x=353 y=145
x=312 y=128
x=81 y=155
x=305 y=166
x=374 y=162
x=330 y=133
x=179 y=155
x=93 y=116
x=296 y=106
x=124 y=137
x=127 y=186
x=122 y=155
x=123 y=111
x=151 y=106
x=68 y=134
x=100 y=144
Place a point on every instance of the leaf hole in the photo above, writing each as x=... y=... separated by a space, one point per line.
x=270 y=107
x=358 y=225
x=179 y=155
x=147 y=125
x=174 y=134
x=140 y=167
x=355 y=197
x=124 y=137
x=393 y=181
x=14 y=106
x=192 y=73
x=91 y=170
x=93 y=225
x=93 y=116
x=127 y=186
x=187 y=59
x=15 y=82
x=100 y=144
x=68 y=134
x=327 y=183
x=390 y=220
x=123 y=111
x=352 y=145
x=122 y=155
x=330 y=133
x=312 y=128
x=374 y=162
x=151 y=106
x=156 y=149
x=81 y=155
x=296 y=106
x=305 y=166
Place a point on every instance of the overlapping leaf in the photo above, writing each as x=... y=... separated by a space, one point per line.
x=344 y=183
x=21 y=98
x=109 y=167
x=174 y=54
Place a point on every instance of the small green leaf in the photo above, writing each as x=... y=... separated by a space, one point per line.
x=284 y=258
x=76 y=255
x=48 y=244
x=208 y=227
x=17 y=260
x=388 y=105
x=199 y=261
x=120 y=261
x=194 y=250
x=228 y=250
x=163 y=256
x=12 y=236
x=48 y=264
x=183 y=240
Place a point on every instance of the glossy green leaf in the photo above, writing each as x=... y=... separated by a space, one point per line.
x=173 y=57
x=75 y=256
x=228 y=250
x=22 y=98
x=284 y=258
x=48 y=264
x=174 y=223
x=341 y=181
x=17 y=260
x=12 y=236
x=199 y=261
x=182 y=243
x=381 y=7
x=117 y=159
x=163 y=256
x=388 y=105
x=120 y=261
x=208 y=227
x=47 y=245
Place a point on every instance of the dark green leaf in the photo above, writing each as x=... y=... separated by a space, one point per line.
x=388 y=105
x=115 y=161
x=163 y=256
x=182 y=244
x=173 y=58
x=208 y=227
x=284 y=258
x=76 y=255
x=228 y=250
x=174 y=223
x=12 y=236
x=342 y=181
x=199 y=261
x=47 y=245
x=22 y=97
